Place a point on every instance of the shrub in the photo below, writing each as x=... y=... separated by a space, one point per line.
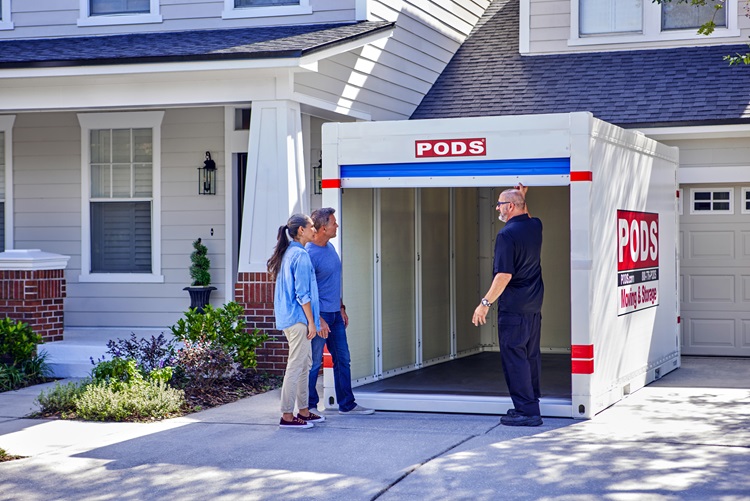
x=202 y=363
x=199 y=269
x=149 y=354
x=28 y=372
x=224 y=326
x=118 y=372
x=17 y=340
x=36 y=369
x=61 y=399
x=11 y=377
x=138 y=400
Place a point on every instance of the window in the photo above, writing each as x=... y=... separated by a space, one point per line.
x=111 y=12
x=109 y=7
x=624 y=21
x=610 y=16
x=121 y=203
x=6 y=182
x=680 y=16
x=265 y=8
x=745 y=200
x=717 y=201
x=5 y=22
x=258 y=3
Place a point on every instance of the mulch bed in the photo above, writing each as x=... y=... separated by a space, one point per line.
x=225 y=391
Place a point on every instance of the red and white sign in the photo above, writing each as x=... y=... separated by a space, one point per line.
x=637 y=261
x=475 y=147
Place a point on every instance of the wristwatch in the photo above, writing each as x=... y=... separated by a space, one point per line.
x=485 y=302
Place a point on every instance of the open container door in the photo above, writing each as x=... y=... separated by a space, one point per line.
x=412 y=277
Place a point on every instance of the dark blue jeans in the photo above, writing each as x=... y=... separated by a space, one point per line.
x=339 y=350
x=522 y=360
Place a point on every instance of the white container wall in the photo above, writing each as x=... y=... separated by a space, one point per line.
x=415 y=200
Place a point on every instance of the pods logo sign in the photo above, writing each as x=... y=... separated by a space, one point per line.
x=475 y=147
x=637 y=261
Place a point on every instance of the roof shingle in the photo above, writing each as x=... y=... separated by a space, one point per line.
x=195 y=45
x=488 y=77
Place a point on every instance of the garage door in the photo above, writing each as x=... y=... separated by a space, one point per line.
x=715 y=270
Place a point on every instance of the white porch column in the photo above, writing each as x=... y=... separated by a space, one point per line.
x=276 y=185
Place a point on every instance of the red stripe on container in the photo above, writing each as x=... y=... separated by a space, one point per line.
x=582 y=351
x=327 y=359
x=330 y=183
x=582 y=367
x=581 y=176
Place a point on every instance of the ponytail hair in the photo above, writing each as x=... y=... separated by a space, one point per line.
x=290 y=229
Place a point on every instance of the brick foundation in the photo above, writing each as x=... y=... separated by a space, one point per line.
x=34 y=297
x=254 y=291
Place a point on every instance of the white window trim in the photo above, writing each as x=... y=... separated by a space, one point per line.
x=6 y=126
x=744 y=192
x=5 y=22
x=652 y=28
x=711 y=212
x=87 y=19
x=232 y=12
x=120 y=120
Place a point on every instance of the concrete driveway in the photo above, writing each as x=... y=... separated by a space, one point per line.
x=684 y=437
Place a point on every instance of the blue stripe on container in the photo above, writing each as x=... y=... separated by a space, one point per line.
x=526 y=167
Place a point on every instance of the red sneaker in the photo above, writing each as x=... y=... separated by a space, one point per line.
x=295 y=423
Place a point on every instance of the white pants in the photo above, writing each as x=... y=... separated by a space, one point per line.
x=298 y=364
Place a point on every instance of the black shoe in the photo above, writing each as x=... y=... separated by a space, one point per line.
x=516 y=419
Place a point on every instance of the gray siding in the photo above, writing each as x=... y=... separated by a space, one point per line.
x=405 y=66
x=59 y=18
x=47 y=178
x=550 y=25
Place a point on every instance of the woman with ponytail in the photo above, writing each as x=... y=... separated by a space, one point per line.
x=295 y=305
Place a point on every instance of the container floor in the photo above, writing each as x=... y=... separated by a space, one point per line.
x=480 y=374
x=472 y=384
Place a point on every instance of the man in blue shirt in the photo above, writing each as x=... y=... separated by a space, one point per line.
x=327 y=266
x=518 y=284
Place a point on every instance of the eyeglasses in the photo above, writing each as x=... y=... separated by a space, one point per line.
x=499 y=204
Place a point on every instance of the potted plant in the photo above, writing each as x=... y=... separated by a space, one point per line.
x=200 y=289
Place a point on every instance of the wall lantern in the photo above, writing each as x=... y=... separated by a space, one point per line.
x=317 y=171
x=207 y=177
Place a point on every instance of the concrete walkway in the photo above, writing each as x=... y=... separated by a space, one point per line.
x=683 y=437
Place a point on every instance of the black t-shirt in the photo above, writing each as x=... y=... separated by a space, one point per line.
x=518 y=249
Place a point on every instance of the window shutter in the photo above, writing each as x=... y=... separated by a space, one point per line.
x=121 y=237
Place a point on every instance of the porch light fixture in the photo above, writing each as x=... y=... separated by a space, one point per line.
x=207 y=176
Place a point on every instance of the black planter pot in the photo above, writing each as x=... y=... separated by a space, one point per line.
x=199 y=296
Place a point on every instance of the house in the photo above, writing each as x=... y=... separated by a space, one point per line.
x=108 y=109
x=641 y=66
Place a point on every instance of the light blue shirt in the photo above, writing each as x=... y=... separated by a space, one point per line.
x=327 y=266
x=295 y=286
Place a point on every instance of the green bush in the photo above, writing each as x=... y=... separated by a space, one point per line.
x=118 y=372
x=225 y=326
x=11 y=377
x=32 y=371
x=61 y=399
x=199 y=269
x=134 y=401
x=17 y=340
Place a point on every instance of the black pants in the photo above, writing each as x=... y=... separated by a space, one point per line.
x=519 y=336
